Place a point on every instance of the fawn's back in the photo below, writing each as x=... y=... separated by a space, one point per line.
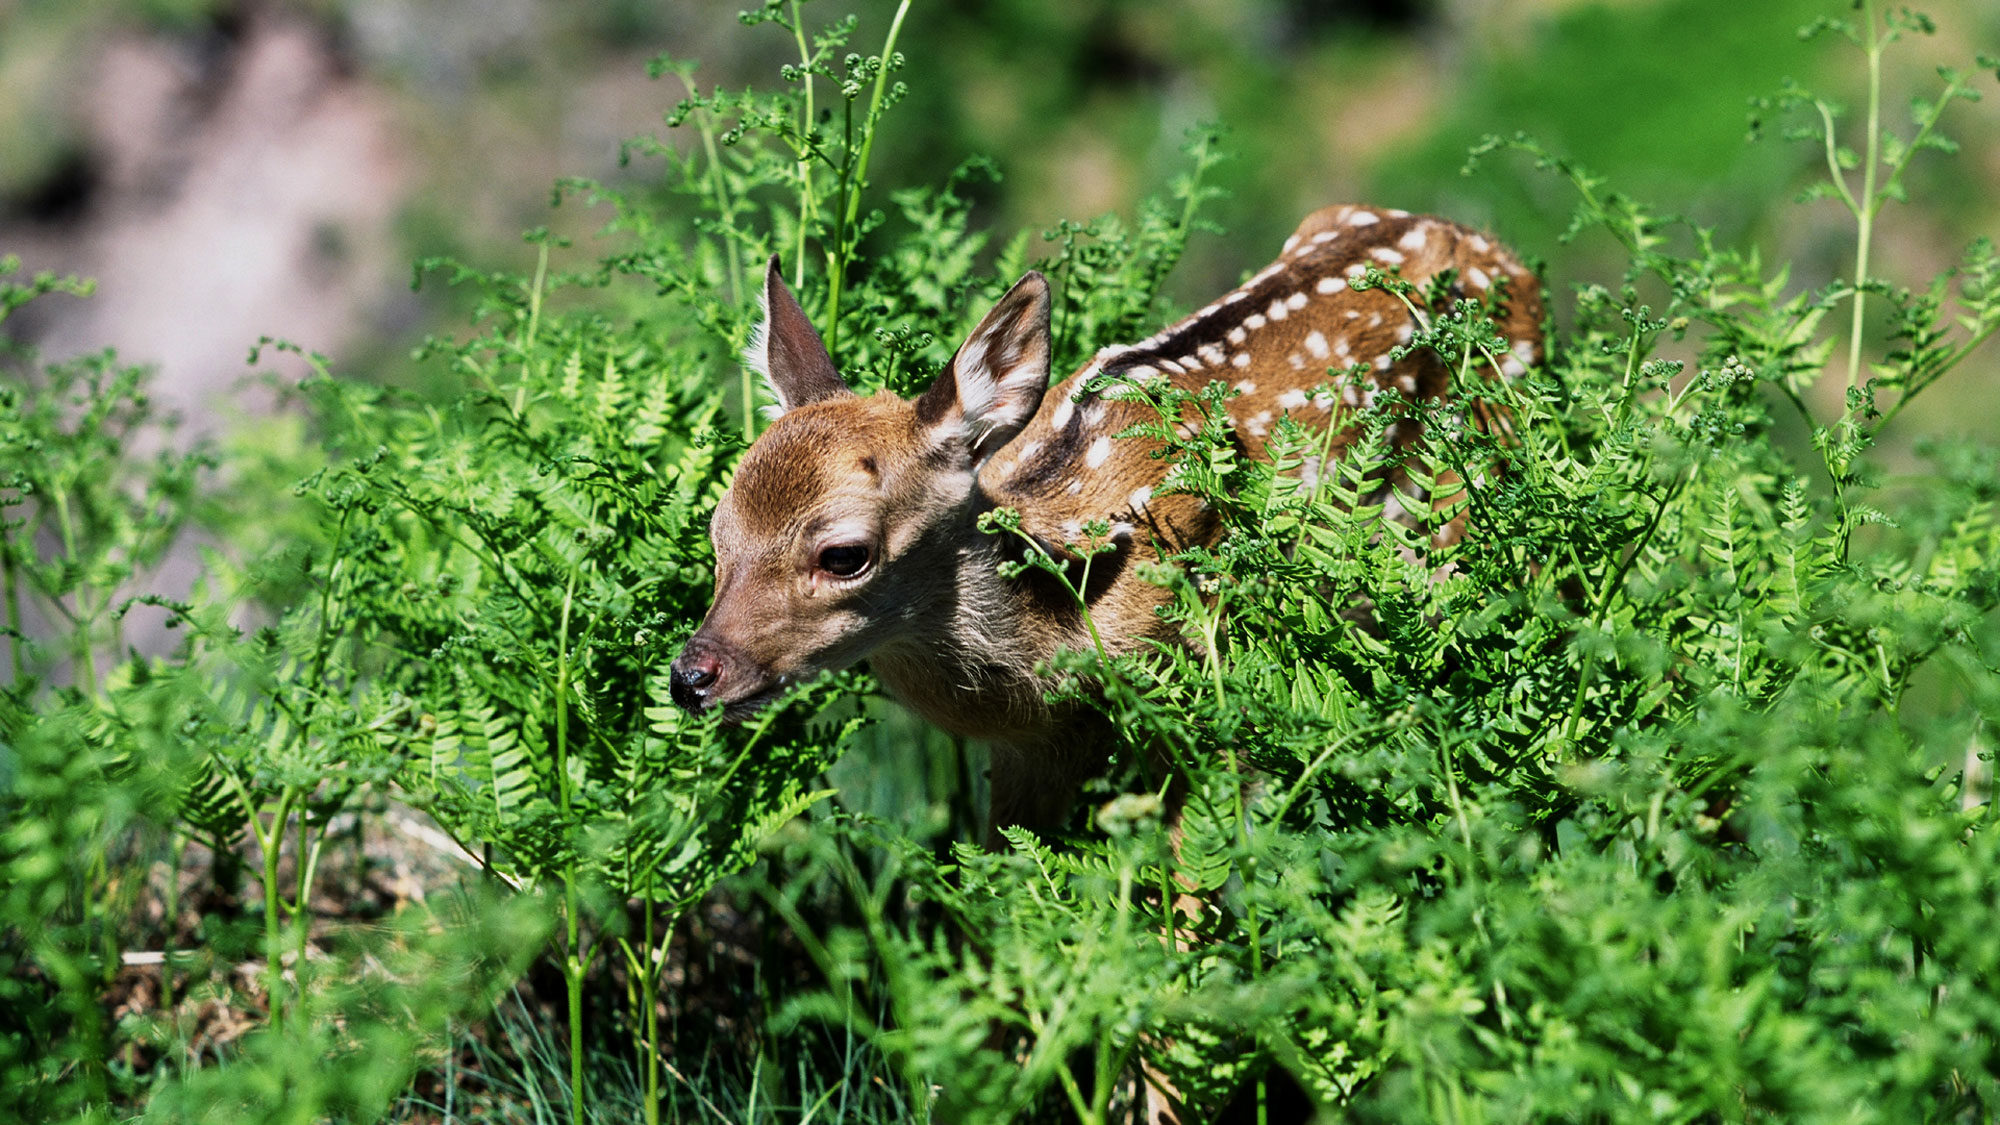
x=851 y=530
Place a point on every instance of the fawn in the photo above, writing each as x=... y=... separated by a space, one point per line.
x=851 y=532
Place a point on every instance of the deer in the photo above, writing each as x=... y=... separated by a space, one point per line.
x=851 y=530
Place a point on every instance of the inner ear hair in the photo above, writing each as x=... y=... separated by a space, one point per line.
x=995 y=382
x=786 y=349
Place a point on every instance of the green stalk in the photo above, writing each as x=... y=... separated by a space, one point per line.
x=1601 y=606
x=86 y=662
x=1869 y=203
x=176 y=850
x=274 y=940
x=534 y=322
x=731 y=252
x=572 y=958
x=649 y=986
x=806 y=117
x=859 y=177
x=10 y=583
x=718 y=185
x=307 y=861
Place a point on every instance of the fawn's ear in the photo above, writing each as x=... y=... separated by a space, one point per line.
x=786 y=350
x=995 y=383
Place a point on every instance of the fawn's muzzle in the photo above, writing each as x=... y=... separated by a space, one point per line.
x=693 y=677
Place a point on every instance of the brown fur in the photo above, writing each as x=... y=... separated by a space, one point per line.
x=908 y=481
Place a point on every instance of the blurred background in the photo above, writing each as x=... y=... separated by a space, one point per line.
x=231 y=170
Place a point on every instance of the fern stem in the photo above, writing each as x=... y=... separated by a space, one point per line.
x=273 y=938
x=82 y=654
x=858 y=179
x=16 y=637
x=649 y=988
x=732 y=253
x=806 y=116
x=572 y=928
x=1870 y=202
x=534 y=322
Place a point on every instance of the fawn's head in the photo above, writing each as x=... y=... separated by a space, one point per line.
x=841 y=530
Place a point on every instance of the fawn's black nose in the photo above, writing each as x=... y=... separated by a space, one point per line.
x=694 y=671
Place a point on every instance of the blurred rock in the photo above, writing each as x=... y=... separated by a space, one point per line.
x=231 y=187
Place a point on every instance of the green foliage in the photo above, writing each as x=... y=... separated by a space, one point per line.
x=1662 y=791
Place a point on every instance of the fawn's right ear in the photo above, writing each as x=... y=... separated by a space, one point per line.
x=786 y=350
x=995 y=383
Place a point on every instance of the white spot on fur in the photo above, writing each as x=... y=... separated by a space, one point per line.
x=1076 y=486
x=1254 y=321
x=1234 y=297
x=1260 y=425
x=1292 y=399
x=1512 y=367
x=1210 y=354
x=1355 y=270
x=1240 y=359
x=1246 y=387
x=1413 y=240
x=1316 y=344
x=1277 y=310
x=1139 y=498
x=1173 y=366
x=1330 y=285
x=1382 y=362
x=1386 y=256
x=1064 y=410
x=1323 y=400
x=1237 y=334
x=1100 y=452
x=1353 y=314
x=1524 y=350
x=1477 y=278
x=1297 y=361
x=1479 y=243
x=1326 y=236
x=1375 y=321
x=1289 y=244
x=1264 y=274
x=1405 y=331
x=1399 y=214
x=1296 y=301
x=1363 y=219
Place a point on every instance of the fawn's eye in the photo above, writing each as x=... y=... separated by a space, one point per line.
x=844 y=560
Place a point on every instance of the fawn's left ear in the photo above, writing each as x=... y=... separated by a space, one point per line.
x=786 y=350
x=995 y=382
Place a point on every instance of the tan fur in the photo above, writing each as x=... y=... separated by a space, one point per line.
x=943 y=630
